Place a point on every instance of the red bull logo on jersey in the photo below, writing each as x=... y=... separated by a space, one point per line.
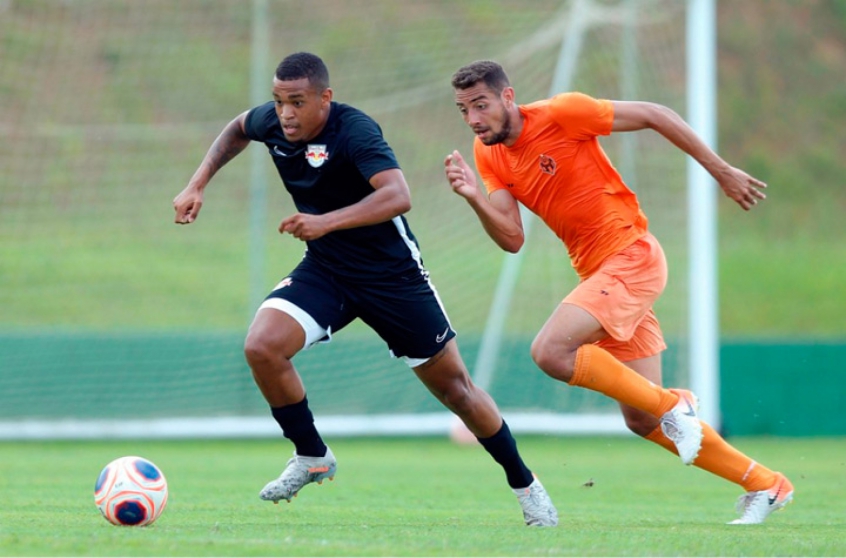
x=316 y=155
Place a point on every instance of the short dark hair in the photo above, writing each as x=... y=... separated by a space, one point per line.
x=482 y=70
x=304 y=65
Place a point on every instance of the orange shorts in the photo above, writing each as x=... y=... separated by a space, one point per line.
x=620 y=296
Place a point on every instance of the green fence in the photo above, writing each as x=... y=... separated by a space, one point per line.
x=769 y=388
x=783 y=389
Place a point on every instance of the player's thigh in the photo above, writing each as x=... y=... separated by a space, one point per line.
x=624 y=288
x=568 y=328
x=407 y=314
x=648 y=367
x=646 y=341
x=444 y=372
x=305 y=308
x=274 y=332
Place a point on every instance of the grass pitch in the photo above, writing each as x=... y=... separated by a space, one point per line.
x=616 y=496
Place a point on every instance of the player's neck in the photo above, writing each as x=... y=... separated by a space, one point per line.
x=515 y=119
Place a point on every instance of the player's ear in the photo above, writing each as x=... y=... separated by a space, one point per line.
x=507 y=96
x=326 y=95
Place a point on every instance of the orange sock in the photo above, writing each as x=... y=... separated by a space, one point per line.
x=720 y=458
x=597 y=370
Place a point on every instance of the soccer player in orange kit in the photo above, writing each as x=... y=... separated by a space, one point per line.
x=604 y=336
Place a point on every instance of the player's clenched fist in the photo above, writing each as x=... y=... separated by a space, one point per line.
x=187 y=205
x=459 y=175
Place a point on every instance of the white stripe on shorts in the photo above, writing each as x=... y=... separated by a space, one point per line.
x=313 y=332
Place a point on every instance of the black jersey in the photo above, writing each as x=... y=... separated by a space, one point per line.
x=332 y=171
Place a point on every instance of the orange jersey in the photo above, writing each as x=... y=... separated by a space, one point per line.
x=558 y=170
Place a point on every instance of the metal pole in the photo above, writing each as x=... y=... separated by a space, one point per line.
x=704 y=297
x=260 y=82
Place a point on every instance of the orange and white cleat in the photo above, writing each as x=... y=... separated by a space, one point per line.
x=681 y=425
x=755 y=507
x=300 y=471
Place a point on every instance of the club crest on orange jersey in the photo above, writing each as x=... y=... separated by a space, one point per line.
x=547 y=164
x=316 y=154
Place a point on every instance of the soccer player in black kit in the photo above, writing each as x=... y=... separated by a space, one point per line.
x=361 y=261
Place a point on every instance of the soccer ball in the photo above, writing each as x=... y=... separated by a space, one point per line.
x=131 y=491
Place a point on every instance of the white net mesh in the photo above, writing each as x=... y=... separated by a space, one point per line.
x=107 y=107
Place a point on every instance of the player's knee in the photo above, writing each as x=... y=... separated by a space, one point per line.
x=555 y=361
x=458 y=398
x=257 y=350
x=253 y=351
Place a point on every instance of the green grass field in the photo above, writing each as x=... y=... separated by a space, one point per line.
x=420 y=497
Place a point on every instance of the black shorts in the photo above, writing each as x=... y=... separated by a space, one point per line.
x=405 y=311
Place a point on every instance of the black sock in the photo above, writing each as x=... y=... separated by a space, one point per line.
x=297 y=425
x=503 y=448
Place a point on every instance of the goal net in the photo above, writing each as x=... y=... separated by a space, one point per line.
x=116 y=322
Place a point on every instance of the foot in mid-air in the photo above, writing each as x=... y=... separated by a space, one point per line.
x=300 y=471
x=756 y=506
x=538 y=510
x=681 y=425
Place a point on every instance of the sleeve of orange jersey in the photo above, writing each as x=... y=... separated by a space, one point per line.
x=581 y=116
x=484 y=164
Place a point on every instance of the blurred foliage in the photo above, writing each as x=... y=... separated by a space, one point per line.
x=782 y=112
x=782 y=94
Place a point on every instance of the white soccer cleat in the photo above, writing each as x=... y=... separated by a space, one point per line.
x=538 y=510
x=300 y=471
x=755 y=507
x=681 y=425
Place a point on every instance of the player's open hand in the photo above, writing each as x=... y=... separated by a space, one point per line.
x=741 y=187
x=187 y=205
x=460 y=176
x=304 y=226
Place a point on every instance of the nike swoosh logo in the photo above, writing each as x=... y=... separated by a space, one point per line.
x=774 y=498
x=441 y=337
x=691 y=412
x=280 y=153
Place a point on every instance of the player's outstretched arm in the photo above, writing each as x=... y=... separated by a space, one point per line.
x=499 y=214
x=231 y=141
x=629 y=116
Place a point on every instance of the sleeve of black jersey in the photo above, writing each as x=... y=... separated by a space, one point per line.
x=259 y=121
x=368 y=148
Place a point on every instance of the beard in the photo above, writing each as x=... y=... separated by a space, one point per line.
x=503 y=134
